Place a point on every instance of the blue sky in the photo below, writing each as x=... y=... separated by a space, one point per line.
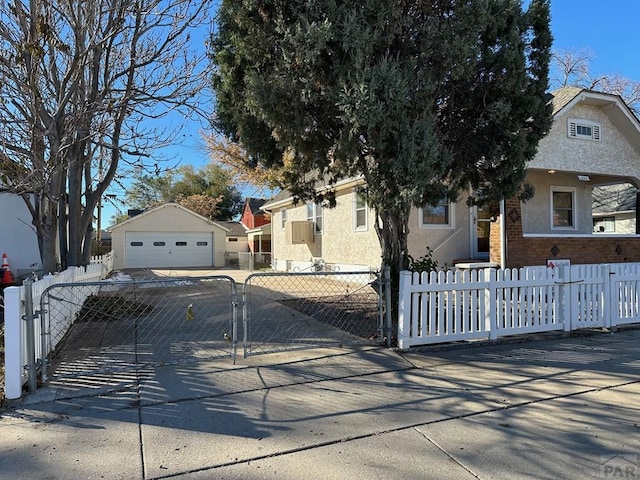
x=608 y=30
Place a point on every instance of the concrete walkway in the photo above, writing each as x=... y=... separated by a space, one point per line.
x=565 y=408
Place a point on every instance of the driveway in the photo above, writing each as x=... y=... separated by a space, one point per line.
x=547 y=409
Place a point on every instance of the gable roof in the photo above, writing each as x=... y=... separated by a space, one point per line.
x=284 y=197
x=164 y=206
x=255 y=204
x=234 y=229
x=561 y=97
x=610 y=104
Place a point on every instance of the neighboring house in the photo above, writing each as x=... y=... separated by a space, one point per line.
x=168 y=236
x=594 y=141
x=18 y=238
x=252 y=215
x=258 y=224
x=614 y=208
x=236 y=241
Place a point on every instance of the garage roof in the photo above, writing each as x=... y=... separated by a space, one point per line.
x=159 y=208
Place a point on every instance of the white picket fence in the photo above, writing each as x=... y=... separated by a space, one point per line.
x=17 y=351
x=438 y=307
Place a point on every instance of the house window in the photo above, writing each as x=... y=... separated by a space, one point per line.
x=584 y=129
x=604 y=225
x=202 y=244
x=283 y=218
x=359 y=212
x=158 y=244
x=181 y=244
x=136 y=244
x=232 y=239
x=436 y=215
x=314 y=214
x=563 y=207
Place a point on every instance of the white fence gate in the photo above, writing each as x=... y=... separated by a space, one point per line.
x=437 y=307
x=20 y=350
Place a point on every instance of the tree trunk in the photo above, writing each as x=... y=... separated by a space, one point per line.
x=392 y=229
x=47 y=230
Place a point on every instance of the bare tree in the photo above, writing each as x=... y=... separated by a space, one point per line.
x=573 y=68
x=83 y=84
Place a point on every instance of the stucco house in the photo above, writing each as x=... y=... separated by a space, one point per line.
x=344 y=238
x=594 y=141
x=18 y=238
x=168 y=235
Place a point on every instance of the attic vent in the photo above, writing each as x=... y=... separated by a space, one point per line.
x=584 y=129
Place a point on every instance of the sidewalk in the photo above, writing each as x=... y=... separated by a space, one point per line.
x=549 y=409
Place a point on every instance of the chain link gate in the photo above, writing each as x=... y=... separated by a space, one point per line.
x=99 y=332
x=102 y=327
x=282 y=311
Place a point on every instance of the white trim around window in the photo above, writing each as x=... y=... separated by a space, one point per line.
x=314 y=214
x=563 y=208
x=585 y=129
x=283 y=218
x=439 y=216
x=360 y=213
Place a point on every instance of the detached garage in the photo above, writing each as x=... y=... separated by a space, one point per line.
x=168 y=236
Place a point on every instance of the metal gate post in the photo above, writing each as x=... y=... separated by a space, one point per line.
x=234 y=320
x=387 y=308
x=245 y=318
x=30 y=333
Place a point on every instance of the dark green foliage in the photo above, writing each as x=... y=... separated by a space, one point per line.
x=426 y=263
x=425 y=99
x=174 y=186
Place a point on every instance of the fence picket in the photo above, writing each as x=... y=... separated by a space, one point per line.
x=465 y=305
x=14 y=370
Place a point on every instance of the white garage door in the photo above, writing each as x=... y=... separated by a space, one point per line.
x=168 y=249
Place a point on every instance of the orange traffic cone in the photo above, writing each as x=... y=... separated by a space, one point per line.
x=7 y=276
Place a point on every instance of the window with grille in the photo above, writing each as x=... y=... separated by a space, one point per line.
x=360 y=222
x=563 y=211
x=585 y=129
x=314 y=214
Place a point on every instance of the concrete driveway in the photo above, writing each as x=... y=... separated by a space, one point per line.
x=547 y=409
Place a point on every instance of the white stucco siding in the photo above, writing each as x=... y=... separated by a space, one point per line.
x=448 y=243
x=536 y=212
x=338 y=244
x=612 y=155
x=341 y=244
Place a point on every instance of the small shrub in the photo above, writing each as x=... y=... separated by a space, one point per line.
x=426 y=263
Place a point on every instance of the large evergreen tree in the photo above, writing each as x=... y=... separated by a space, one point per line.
x=425 y=99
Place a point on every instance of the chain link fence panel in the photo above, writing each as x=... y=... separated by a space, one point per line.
x=308 y=309
x=111 y=326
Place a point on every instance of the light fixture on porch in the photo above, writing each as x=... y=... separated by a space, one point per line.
x=551 y=172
